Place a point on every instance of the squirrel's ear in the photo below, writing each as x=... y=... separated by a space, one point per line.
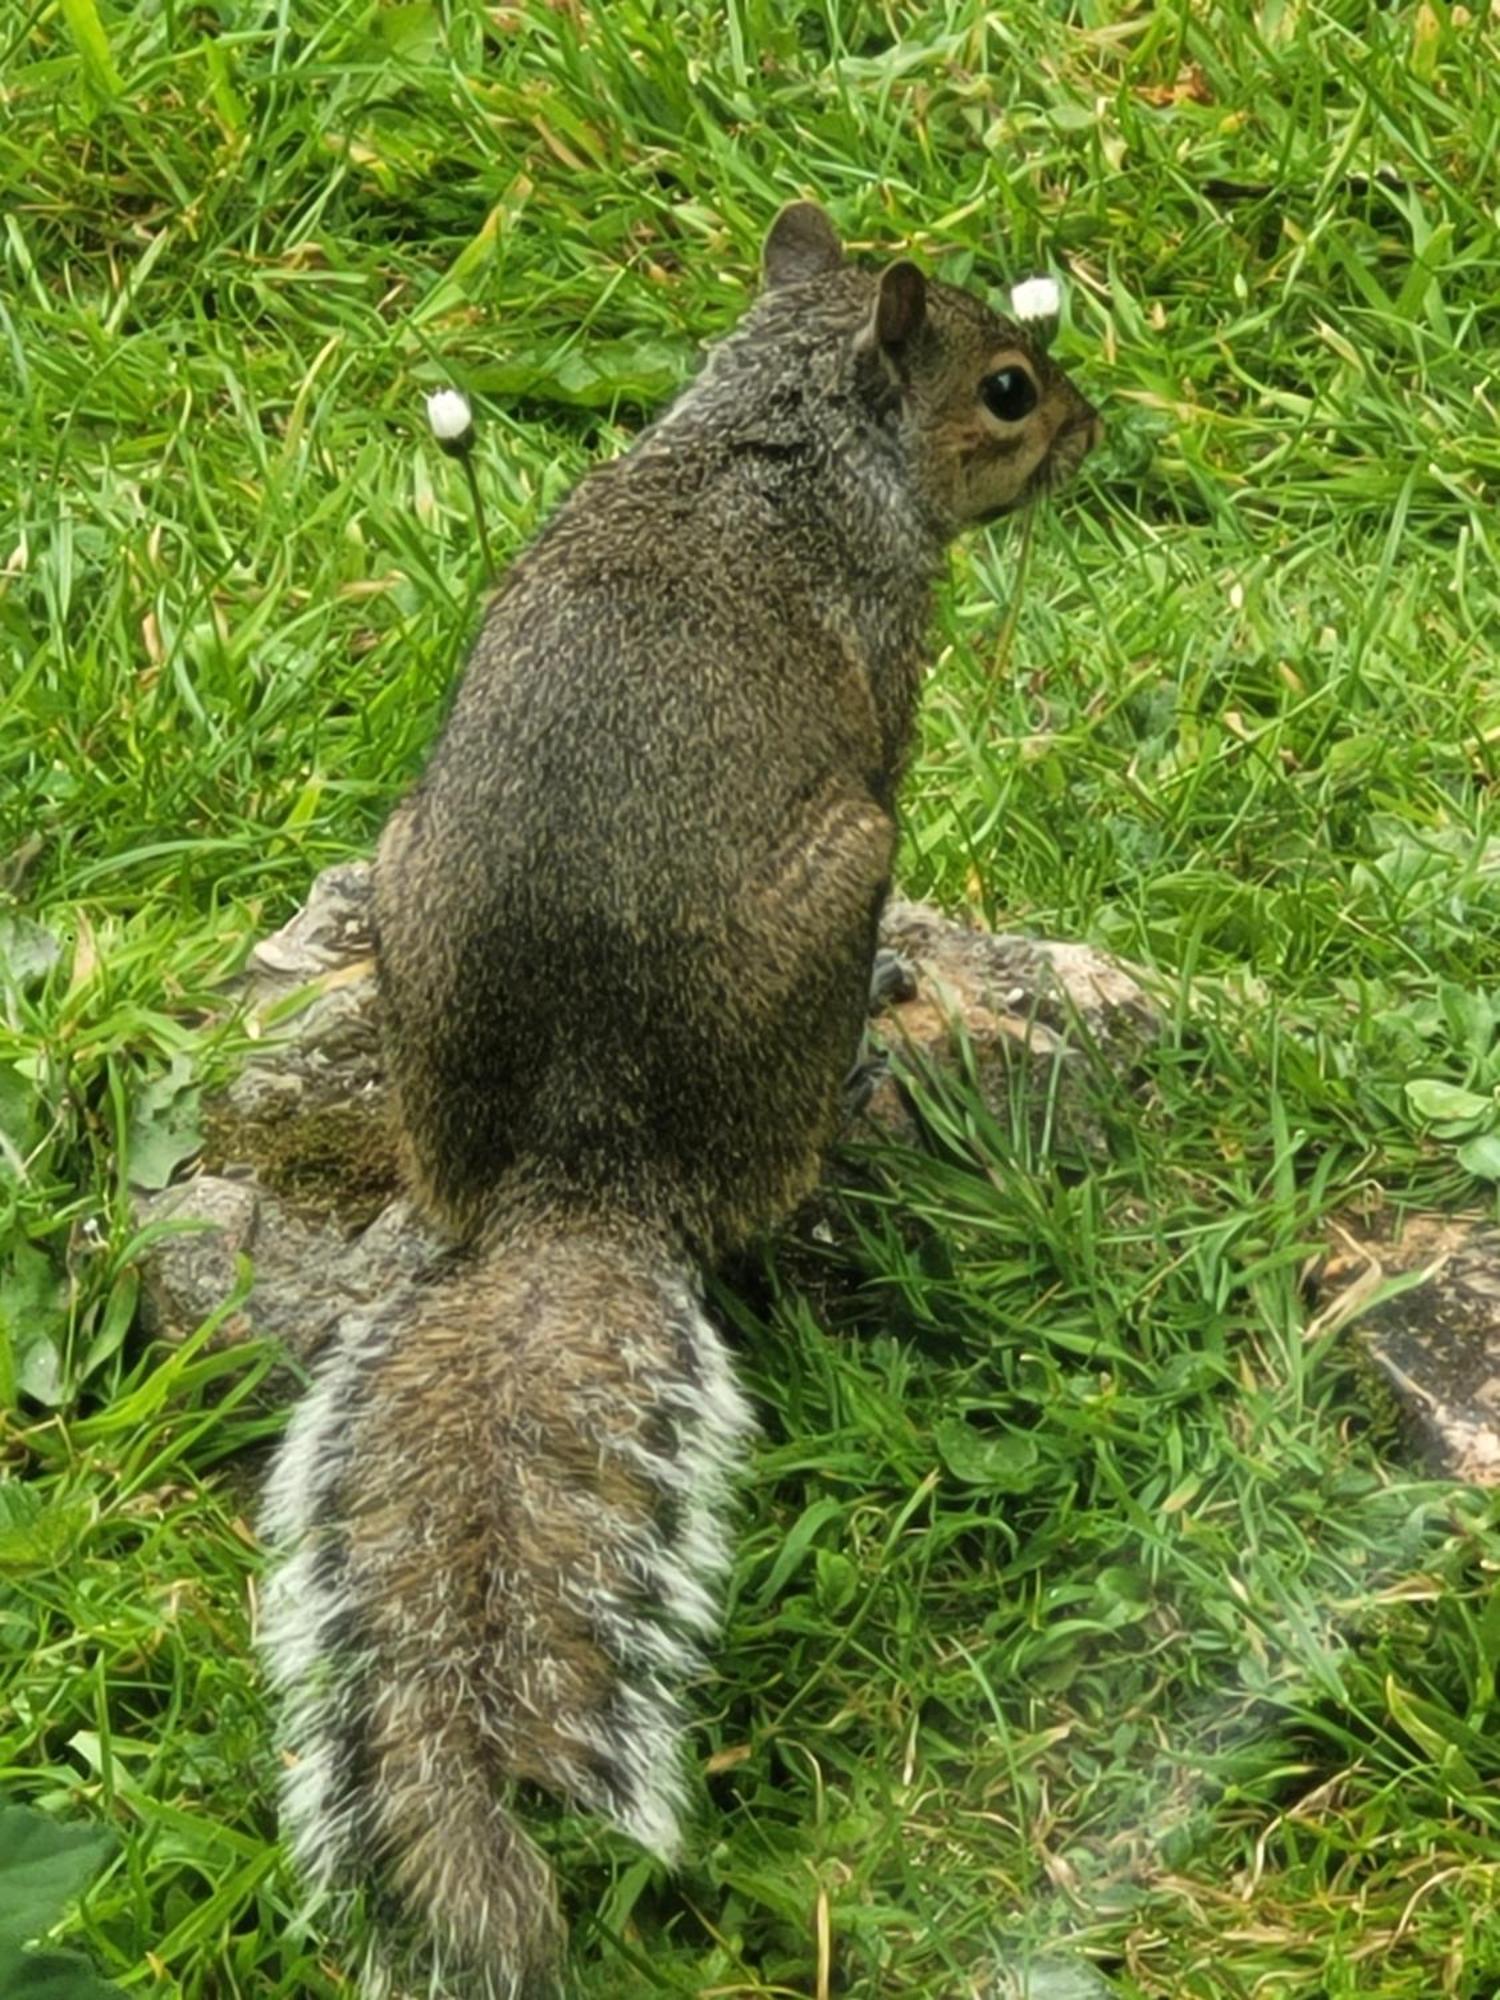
x=801 y=243
x=900 y=308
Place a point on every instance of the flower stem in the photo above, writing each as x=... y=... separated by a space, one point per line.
x=467 y=461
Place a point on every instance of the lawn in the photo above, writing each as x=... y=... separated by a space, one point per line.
x=1091 y=1635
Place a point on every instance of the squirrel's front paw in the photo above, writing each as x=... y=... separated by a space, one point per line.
x=860 y=1085
x=892 y=979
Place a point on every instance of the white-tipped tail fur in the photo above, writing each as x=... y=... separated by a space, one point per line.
x=499 y=1523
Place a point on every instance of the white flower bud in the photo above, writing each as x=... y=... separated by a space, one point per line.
x=450 y=416
x=1036 y=298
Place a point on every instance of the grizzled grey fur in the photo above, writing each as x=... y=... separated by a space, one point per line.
x=625 y=926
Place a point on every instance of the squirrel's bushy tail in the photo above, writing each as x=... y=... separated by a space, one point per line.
x=498 y=1511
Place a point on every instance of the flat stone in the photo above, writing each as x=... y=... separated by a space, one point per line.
x=1043 y=1020
x=1436 y=1343
x=309 y=991
x=304 y=1276
x=299 y=1176
x=334 y=928
x=306 y=1113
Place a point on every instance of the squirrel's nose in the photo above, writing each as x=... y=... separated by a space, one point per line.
x=1086 y=423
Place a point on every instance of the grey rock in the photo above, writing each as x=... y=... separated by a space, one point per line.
x=1043 y=1021
x=309 y=992
x=304 y=1276
x=205 y=1226
x=306 y=1114
x=334 y=927
x=299 y=1177
x=1435 y=1343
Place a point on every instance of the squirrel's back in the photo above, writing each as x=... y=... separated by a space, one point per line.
x=592 y=909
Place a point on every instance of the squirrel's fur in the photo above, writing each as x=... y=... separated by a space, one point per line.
x=625 y=927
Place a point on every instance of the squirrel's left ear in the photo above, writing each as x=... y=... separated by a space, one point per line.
x=900 y=310
x=801 y=243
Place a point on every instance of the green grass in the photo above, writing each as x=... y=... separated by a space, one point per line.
x=1085 y=1610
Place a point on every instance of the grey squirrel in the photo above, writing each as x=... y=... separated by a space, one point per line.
x=625 y=930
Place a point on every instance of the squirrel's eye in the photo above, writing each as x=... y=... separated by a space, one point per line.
x=1008 y=394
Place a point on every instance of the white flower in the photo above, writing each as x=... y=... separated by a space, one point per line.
x=449 y=414
x=1036 y=298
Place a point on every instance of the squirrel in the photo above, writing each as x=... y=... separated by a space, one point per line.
x=625 y=928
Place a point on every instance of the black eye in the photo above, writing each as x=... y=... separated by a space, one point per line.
x=1008 y=394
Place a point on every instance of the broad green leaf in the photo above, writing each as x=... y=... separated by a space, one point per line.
x=164 y=1127
x=44 y=1865
x=413 y=31
x=28 y=952
x=115 y=1321
x=33 y=1322
x=21 y=1119
x=641 y=370
x=1007 y=1461
x=1026 y=1977
x=838 y=1579
x=1124 y=1593
x=38 y=1534
x=1431 y=1099
x=226 y=99
x=51 y=1975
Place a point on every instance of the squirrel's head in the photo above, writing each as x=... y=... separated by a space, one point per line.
x=986 y=419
